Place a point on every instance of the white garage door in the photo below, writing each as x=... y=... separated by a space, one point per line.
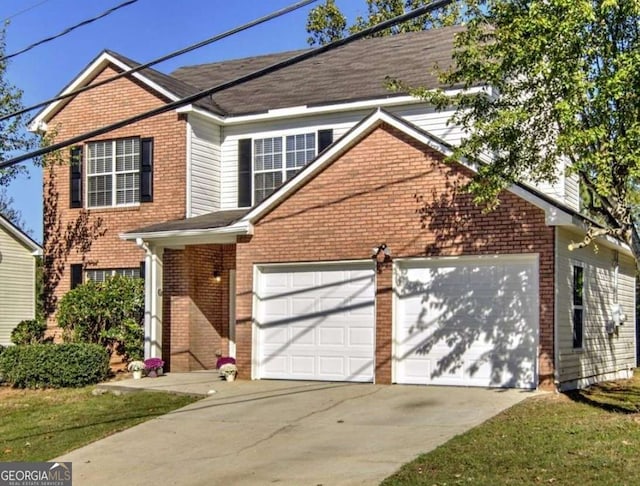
x=467 y=321
x=316 y=322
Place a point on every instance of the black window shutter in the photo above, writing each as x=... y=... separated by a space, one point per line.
x=76 y=275
x=142 y=269
x=325 y=138
x=75 y=186
x=244 y=173
x=146 y=170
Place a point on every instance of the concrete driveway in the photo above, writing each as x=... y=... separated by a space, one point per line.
x=300 y=433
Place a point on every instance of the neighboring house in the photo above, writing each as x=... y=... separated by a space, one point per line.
x=17 y=278
x=256 y=213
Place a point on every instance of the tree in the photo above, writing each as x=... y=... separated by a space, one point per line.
x=326 y=23
x=563 y=77
x=8 y=210
x=13 y=136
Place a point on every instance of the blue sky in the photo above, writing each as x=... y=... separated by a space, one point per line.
x=142 y=31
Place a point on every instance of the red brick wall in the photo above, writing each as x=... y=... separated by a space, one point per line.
x=388 y=188
x=195 y=306
x=100 y=107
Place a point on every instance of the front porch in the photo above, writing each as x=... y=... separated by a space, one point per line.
x=190 y=289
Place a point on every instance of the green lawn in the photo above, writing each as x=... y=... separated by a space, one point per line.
x=38 y=425
x=590 y=437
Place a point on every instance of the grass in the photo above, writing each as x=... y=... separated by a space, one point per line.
x=39 y=425
x=589 y=437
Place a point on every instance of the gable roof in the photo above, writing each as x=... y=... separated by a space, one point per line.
x=241 y=221
x=162 y=84
x=23 y=238
x=353 y=72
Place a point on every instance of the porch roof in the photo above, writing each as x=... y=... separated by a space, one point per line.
x=217 y=219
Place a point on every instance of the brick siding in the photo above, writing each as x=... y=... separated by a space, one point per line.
x=195 y=307
x=102 y=106
x=389 y=188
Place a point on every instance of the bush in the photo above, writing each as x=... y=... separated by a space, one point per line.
x=54 y=366
x=29 y=332
x=107 y=313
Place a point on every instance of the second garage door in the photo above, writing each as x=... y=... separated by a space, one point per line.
x=467 y=321
x=316 y=322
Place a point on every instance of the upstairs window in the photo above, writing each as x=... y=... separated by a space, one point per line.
x=276 y=159
x=113 y=173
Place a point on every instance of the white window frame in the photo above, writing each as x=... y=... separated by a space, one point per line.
x=284 y=169
x=113 y=174
x=110 y=272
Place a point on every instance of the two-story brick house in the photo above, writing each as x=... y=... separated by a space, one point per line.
x=307 y=223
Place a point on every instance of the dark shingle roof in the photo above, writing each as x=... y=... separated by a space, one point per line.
x=216 y=219
x=172 y=84
x=356 y=71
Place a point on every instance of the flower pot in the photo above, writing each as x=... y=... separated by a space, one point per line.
x=230 y=377
x=152 y=374
x=160 y=372
x=137 y=374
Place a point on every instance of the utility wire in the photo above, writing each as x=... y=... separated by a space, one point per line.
x=69 y=29
x=24 y=10
x=230 y=84
x=192 y=47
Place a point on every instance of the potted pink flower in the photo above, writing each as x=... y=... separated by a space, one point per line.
x=153 y=367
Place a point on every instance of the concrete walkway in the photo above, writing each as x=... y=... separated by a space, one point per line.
x=297 y=433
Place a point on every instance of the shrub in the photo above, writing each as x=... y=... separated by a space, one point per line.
x=54 y=366
x=29 y=332
x=107 y=313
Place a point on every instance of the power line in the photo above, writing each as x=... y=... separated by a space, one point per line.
x=24 y=10
x=230 y=84
x=69 y=29
x=192 y=47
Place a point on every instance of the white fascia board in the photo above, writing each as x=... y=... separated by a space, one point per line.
x=304 y=110
x=189 y=109
x=335 y=150
x=208 y=235
x=39 y=122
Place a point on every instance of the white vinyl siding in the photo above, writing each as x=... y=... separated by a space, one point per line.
x=603 y=355
x=17 y=285
x=339 y=122
x=113 y=173
x=204 y=136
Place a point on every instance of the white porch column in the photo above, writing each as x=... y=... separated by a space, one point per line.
x=152 y=299
x=155 y=344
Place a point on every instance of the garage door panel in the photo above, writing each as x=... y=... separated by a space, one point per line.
x=469 y=320
x=361 y=337
x=327 y=315
x=301 y=365
x=331 y=336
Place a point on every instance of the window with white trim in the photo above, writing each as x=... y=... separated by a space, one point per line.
x=101 y=275
x=113 y=173
x=276 y=159
x=577 y=319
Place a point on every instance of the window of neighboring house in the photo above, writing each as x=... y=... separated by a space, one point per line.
x=578 y=306
x=276 y=159
x=102 y=274
x=113 y=173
